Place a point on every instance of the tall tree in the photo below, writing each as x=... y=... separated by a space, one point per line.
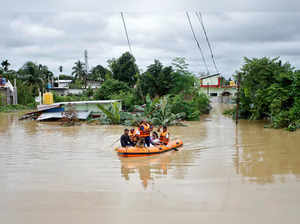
x=99 y=73
x=5 y=64
x=31 y=74
x=124 y=69
x=157 y=80
x=79 y=72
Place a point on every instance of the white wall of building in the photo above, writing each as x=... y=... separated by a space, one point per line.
x=211 y=81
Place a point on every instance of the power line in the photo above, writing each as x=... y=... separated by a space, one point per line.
x=199 y=16
x=126 y=32
x=197 y=42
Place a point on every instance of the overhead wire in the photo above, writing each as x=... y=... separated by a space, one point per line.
x=125 y=28
x=200 y=19
x=197 y=42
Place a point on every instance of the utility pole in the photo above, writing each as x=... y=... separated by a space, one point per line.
x=238 y=99
x=86 y=60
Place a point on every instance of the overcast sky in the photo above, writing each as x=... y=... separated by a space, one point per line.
x=56 y=37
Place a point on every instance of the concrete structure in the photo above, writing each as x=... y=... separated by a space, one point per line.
x=212 y=86
x=8 y=93
x=62 y=87
x=62 y=83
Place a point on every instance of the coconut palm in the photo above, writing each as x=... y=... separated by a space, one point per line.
x=31 y=74
x=5 y=64
x=80 y=72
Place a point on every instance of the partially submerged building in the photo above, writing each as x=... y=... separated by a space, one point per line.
x=213 y=86
x=8 y=93
x=83 y=110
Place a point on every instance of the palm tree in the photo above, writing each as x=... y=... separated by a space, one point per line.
x=45 y=73
x=5 y=64
x=32 y=75
x=79 y=71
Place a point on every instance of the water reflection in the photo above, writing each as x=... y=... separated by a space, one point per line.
x=267 y=155
x=146 y=167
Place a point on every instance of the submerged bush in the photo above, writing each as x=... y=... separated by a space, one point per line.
x=270 y=90
x=193 y=108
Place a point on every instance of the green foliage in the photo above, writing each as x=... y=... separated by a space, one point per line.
x=270 y=90
x=80 y=72
x=26 y=93
x=15 y=108
x=129 y=99
x=193 y=108
x=5 y=64
x=77 y=84
x=99 y=73
x=157 y=112
x=157 y=81
x=230 y=111
x=124 y=69
x=111 y=87
x=66 y=77
x=112 y=113
x=35 y=75
x=69 y=98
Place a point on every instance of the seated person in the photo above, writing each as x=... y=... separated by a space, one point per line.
x=125 y=140
x=164 y=136
x=134 y=135
x=155 y=139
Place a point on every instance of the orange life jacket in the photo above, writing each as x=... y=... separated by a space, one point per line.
x=163 y=138
x=146 y=130
x=133 y=136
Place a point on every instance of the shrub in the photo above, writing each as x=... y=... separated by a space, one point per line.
x=111 y=87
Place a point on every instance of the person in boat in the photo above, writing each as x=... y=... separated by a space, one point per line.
x=164 y=136
x=154 y=139
x=145 y=130
x=125 y=139
x=134 y=135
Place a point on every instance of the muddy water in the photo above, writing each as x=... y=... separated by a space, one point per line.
x=54 y=174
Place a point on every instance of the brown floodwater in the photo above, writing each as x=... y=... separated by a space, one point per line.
x=222 y=174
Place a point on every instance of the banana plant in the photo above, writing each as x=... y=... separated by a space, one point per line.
x=112 y=113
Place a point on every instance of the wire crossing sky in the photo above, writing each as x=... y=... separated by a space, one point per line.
x=199 y=16
x=60 y=38
x=129 y=45
x=197 y=42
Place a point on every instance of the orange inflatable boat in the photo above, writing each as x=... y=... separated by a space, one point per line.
x=148 y=151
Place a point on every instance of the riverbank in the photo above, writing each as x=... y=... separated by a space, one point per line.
x=16 y=108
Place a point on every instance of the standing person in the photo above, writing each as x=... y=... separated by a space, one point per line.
x=145 y=130
x=134 y=135
x=125 y=140
x=164 y=136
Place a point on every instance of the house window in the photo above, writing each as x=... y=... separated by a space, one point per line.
x=213 y=94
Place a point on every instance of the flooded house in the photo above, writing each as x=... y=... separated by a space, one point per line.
x=214 y=87
x=8 y=92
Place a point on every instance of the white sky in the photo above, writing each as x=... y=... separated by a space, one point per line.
x=57 y=32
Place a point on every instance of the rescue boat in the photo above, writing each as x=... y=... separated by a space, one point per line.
x=148 y=151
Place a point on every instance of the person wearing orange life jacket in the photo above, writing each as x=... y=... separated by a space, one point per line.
x=145 y=130
x=134 y=135
x=164 y=136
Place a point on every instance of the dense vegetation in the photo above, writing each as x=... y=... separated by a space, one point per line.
x=270 y=89
x=173 y=86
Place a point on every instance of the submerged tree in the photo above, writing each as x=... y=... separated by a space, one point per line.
x=270 y=90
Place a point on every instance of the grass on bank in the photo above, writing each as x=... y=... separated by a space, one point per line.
x=16 y=108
